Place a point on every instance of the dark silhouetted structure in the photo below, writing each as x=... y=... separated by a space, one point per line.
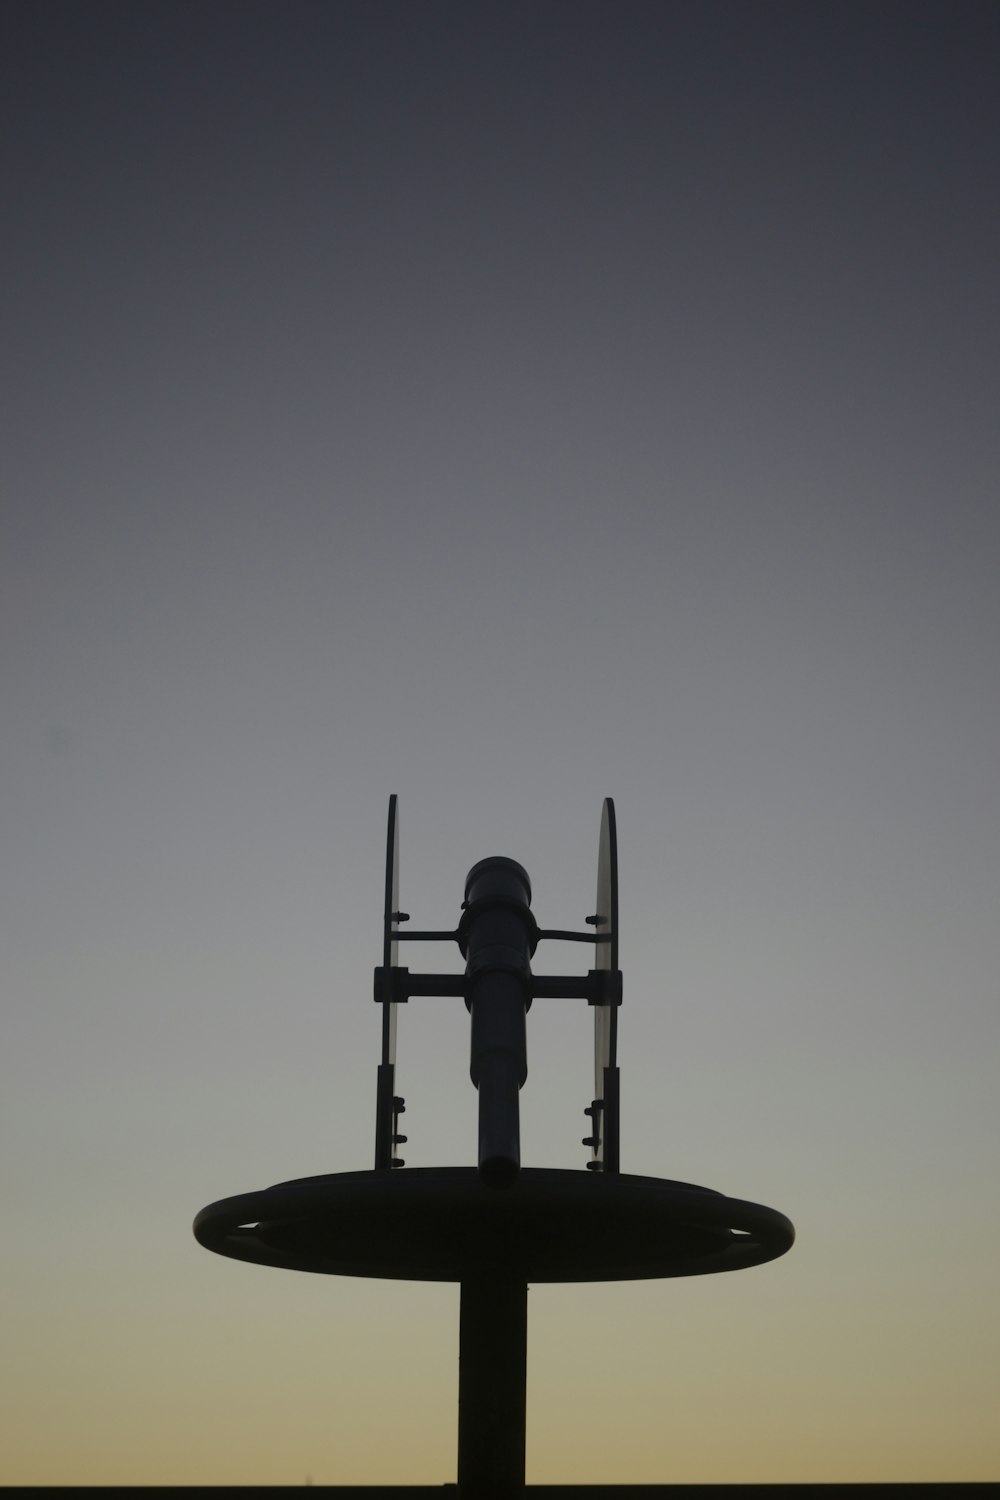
x=499 y=1226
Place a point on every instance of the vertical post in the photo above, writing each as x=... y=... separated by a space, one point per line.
x=497 y=936
x=492 y=1376
x=386 y=1110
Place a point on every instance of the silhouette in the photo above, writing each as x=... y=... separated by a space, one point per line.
x=496 y=1227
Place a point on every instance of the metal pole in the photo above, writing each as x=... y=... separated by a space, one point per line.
x=497 y=936
x=492 y=1373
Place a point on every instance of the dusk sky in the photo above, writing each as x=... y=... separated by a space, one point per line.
x=505 y=405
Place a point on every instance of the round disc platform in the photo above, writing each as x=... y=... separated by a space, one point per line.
x=443 y=1224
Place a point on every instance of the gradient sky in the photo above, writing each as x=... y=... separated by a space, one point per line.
x=507 y=406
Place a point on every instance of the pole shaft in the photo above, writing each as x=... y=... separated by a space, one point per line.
x=492 y=1375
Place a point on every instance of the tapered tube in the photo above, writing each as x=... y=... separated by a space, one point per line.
x=492 y=1375
x=497 y=937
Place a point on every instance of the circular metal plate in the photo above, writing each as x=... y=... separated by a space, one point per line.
x=443 y=1224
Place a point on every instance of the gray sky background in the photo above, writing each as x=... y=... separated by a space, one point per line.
x=507 y=406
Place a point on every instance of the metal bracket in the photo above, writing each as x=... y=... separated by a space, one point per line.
x=396 y=984
x=595 y=1110
x=606 y=987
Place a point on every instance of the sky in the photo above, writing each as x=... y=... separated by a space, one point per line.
x=505 y=406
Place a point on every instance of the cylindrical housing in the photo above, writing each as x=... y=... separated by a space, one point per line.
x=498 y=934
